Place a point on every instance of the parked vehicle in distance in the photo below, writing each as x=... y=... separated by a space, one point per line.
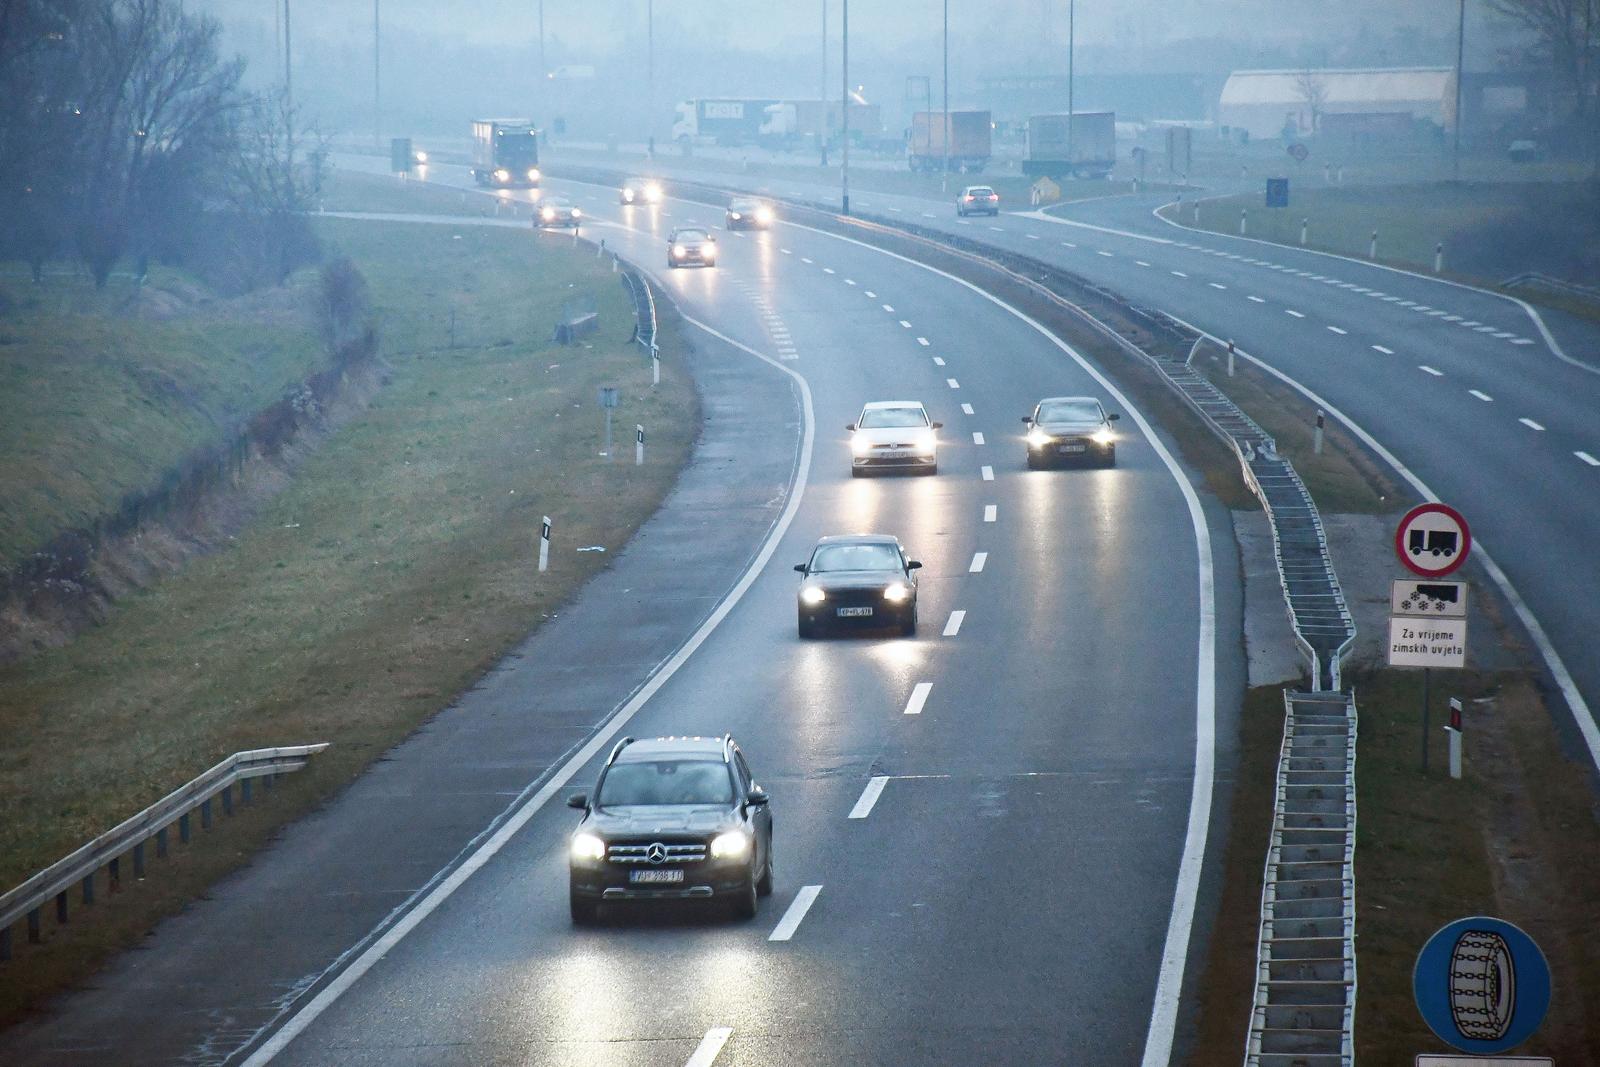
x=978 y=200
x=671 y=818
x=894 y=434
x=1066 y=429
x=691 y=245
x=559 y=211
x=722 y=121
x=505 y=153
x=640 y=191
x=747 y=213
x=1080 y=145
x=968 y=134
x=857 y=580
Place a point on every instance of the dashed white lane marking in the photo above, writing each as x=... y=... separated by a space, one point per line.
x=786 y=252
x=849 y=281
x=1521 y=341
x=991 y=512
x=1385 y=351
x=827 y=270
x=888 y=307
x=1452 y=318
x=953 y=626
x=906 y=324
x=1530 y=424
x=1501 y=335
x=1335 y=329
x=998 y=229
x=705 y=1053
x=1483 y=329
x=929 y=215
x=977 y=437
x=1068 y=244
x=1102 y=252
x=791 y=919
x=1485 y=397
x=1177 y=274
x=1031 y=236
x=1469 y=323
x=1436 y=313
x=986 y=472
x=807 y=259
x=1408 y=303
x=1359 y=289
x=923 y=341
x=1292 y=311
x=869 y=796
x=1424 y=368
x=1141 y=263
x=978 y=560
x=892 y=207
x=952 y=383
x=870 y=294
x=1216 y=285
x=966 y=409
x=962 y=222
x=938 y=361
x=1255 y=299
x=919 y=697
x=1590 y=460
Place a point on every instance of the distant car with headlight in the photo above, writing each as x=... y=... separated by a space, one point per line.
x=671 y=818
x=745 y=213
x=691 y=245
x=891 y=434
x=1066 y=429
x=858 y=581
x=978 y=200
x=640 y=191
x=559 y=211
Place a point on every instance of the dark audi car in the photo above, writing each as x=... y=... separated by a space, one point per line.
x=691 y=245
x=859 y=580
x=673 y=818
x=1070 y=429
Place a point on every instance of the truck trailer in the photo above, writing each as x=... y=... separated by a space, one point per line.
x=505 y=153
x=967 y=133
x=791 y=123
x=1080 y=145
x=723 y=121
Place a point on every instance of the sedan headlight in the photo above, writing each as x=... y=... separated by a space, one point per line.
x=764 y=215
x=421 y=156
x=680 y=251
x=735 y=215
x=1037 y=438
x=927 y=443
x=627 y=194
x=730 y=845
x=1104 y=437
x=813 y=594
x=577 y=213
x=860 y=445
x=896 y=592
x=587 y=846
x=547 y=214
x=652 y=193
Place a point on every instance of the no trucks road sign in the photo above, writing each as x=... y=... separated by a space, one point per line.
x=1432 y=540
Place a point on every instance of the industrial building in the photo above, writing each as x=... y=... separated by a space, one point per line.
x=1300 y=103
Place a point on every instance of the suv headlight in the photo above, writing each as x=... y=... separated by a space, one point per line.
x=1104 y=437
x=813 y=594
x=1038 y=438
x=896 y=592
x=586 y=846
x=730 y=845
x=680 y=251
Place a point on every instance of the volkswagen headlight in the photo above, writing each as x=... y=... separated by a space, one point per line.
x=680 y=250
x=896 y=592
x=927 y=443
x=1037 y=438
x=730 y=845
x=587 y=846
x=1104 y=437
x=813 y=594
x=860 y=444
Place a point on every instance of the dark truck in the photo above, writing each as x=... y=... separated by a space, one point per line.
x=505 y=153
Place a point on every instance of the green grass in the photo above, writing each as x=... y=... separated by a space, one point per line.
x=395 y=568
x=97 y=401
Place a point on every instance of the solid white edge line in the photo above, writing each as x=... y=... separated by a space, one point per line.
x=978 y=560
x=341 y=983
x=710 y=1047
x=952 y=626
x=797 y=911
x=1581 y=713
x=869 y=796
x=918 y=698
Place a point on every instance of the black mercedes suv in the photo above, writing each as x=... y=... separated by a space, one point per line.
x=673 y=818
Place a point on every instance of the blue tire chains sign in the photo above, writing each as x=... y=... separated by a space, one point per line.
x=1482 y=985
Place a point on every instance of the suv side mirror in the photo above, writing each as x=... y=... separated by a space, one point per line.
x=1027 y=420
x=1113 y=417
x=850 y=426
x=800 y=568
x=938 y=426
x=757 y=795
x=913 y=564
x=579 y=801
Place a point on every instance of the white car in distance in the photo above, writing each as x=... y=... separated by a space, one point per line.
x=894 y=434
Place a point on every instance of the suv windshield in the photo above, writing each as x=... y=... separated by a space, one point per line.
x=855 y=558
x=1069 y=411
x=690 y=235
x=666 y=782
x=879 y=418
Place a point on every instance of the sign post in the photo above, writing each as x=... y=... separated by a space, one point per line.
x=544 y=545
x=1428 y=620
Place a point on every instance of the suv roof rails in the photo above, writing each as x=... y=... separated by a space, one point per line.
x=620 y=745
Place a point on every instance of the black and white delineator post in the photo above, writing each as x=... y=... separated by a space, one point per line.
x=638 y=445
x=1316 y=443
x=1453 y=728
x=544 y=545
x=655 y=364
x=1230 y=359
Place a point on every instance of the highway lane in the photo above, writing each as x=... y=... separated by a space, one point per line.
x=1010 y=889
x=1460 y=386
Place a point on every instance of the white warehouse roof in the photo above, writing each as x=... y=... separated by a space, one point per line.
x=1261 y=100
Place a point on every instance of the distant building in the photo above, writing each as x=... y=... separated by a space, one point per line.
x=1274 y=103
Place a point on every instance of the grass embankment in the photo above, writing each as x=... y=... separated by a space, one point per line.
x=397 y=567
x=1518 y=837
x=98 y=397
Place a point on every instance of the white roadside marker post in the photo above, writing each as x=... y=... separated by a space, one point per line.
x=1244 y=220
x=1316 y=445
x=1438 y=257
x=655 y=364
x=544 y=545
x=1230 y=359
x=1372 y=249
x=1305 y=223
x=1454 y=730
x=638 y=444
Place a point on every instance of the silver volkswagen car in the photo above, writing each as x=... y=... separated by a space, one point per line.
x=894 y=434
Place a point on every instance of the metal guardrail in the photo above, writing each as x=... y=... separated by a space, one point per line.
x=644 y=310
x=1535 y=280
x=129 y=838
x=1303 y=1008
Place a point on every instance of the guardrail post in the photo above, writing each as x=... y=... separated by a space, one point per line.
x=161 y=843
x=61 y=908
x=227 y=800
x=88 y=889
x=246 y=793
x=138 y=860
x=205 y=814
x=114 y=879
x=183 y=828
x=34 y=936
x=5 y=943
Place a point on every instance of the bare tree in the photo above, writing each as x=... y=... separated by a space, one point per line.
x=1566 y=36
x=273 y=180
x=1313 y=89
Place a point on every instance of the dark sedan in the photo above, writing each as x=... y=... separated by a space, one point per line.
x=747 y=214
x=559 y=211
x=859 y=580
x=1070 y=429
x=691 y=245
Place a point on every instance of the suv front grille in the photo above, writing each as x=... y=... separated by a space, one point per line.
x=691 y=852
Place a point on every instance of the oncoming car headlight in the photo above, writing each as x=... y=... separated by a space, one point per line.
x=812 y=594
x=652 y=193
x=730 y=845
x=764 y=214
x=533 y=174
x=588 y=847
x=548 y=213
x=1038 y=438
x=896 y=592
x=680 y=251
x=860 y=445
x=502 y=175
x=1104 y=437
x=577 y=213
x=627 y=194
x=735 y=215
x=927 y=443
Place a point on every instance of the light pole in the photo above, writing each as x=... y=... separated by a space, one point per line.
x=544 y=70
x=822 y=92
x=650 y=66
x=1072 y=28
x=377 y=99
x=944 y=173
x=288 y=83
x=844 y=111
x=1461 y=40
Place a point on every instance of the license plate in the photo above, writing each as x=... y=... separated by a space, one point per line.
x=893 y=453
x=854 y=613
x=655 y=877
x=1069 y=448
